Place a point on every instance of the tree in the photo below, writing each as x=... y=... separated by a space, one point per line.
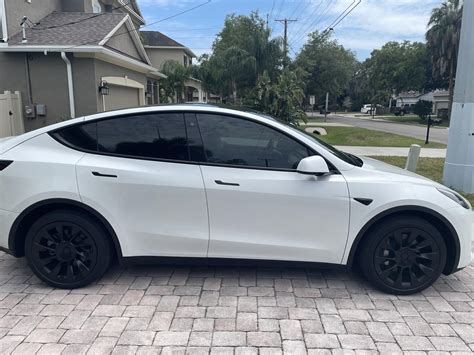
x=443 y=36
x=399 y=66
x=329 y=66
x=174 y=85
x=242 y=52
x=347 y=103
x=423 y=109
x=282 y=99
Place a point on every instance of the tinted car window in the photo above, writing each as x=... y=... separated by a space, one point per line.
x=161 y=136
x=196 y=149
x=236 y=141
x=82 y=136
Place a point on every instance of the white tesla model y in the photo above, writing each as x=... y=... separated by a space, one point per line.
x=208 y=182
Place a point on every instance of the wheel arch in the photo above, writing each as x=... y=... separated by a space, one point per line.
x=17 y=235
x=448 y=232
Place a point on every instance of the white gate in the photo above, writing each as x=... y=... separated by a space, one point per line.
x=11 y=114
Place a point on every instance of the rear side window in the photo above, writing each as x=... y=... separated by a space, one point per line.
x=156 y=136
x=82 y=136
x=235 y=141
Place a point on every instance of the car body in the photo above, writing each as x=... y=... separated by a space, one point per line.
x=208 y=182
x=366 y=109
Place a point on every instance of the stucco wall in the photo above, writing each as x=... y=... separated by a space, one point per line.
x=122 y=42
x=158 y=56
x=85 y=86
x=103 y=69
x=77 y=5
x=49 y=84
x=35 y=11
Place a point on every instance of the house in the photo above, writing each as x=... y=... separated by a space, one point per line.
x=408 y=99
x=160 y=49
x=73 y=57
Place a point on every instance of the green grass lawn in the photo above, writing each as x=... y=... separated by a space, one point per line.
x=432 y=168
x=356 y=136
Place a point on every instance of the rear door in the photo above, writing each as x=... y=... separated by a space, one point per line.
x=138 y=174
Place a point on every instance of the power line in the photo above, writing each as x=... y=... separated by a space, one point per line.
x=296 y=7
x=138 y=28
x=300 y=13
x=280 y=8
x=332 y=26
x=307 y=21
x=303 y=32
x=342 y=13
x=273 y=8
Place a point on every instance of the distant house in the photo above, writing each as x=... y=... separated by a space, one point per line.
x=408 y=99
x=71 y=49
x=160 y=49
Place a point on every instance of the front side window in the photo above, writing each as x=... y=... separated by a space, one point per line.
x=155 y=136
x=230 y=140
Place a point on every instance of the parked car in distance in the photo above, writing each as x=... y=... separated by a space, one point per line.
x=366 y=109
x=400 y=111
x=203 y=181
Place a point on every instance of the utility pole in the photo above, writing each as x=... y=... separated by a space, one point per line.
x=459 y=166
x=285 y=38
x=326 y=107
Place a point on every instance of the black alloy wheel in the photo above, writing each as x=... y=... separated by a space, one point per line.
x=403 y=256
x=67 y=249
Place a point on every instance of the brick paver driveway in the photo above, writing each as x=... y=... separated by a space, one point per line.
x=226 y=310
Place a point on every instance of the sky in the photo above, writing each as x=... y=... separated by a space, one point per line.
x=371 y=24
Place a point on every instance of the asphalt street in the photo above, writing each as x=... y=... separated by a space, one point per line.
x=437 y=134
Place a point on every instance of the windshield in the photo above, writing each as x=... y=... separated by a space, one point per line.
x=347 y=157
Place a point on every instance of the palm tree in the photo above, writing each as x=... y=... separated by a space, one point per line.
x=443 y=35
x=174 y=86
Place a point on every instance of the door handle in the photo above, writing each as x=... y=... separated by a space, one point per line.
x=219 y=182
x=96 y=173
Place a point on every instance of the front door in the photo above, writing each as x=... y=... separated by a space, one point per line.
x=259 y=206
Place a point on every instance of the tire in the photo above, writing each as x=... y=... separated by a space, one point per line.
x=67 y=249
x=403 y=255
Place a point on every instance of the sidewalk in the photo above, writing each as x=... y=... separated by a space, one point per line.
x=392 y=151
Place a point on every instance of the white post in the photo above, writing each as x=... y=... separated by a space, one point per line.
x=459 y=166
x=413 y=156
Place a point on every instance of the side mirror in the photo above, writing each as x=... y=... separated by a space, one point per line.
x=315 y=165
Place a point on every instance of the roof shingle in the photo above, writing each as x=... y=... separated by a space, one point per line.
x=155 y=38
x=70 y=28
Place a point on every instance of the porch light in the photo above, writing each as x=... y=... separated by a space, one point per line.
x=104 y=88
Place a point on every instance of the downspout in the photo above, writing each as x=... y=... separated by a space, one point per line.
x=70 y=84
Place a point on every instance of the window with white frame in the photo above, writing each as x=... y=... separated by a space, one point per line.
x=152 y=93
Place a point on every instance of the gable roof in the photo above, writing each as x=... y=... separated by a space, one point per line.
x=158 y=39
x=77 y=29
x=70 y=28
x=155 y=39
x=133 y=9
